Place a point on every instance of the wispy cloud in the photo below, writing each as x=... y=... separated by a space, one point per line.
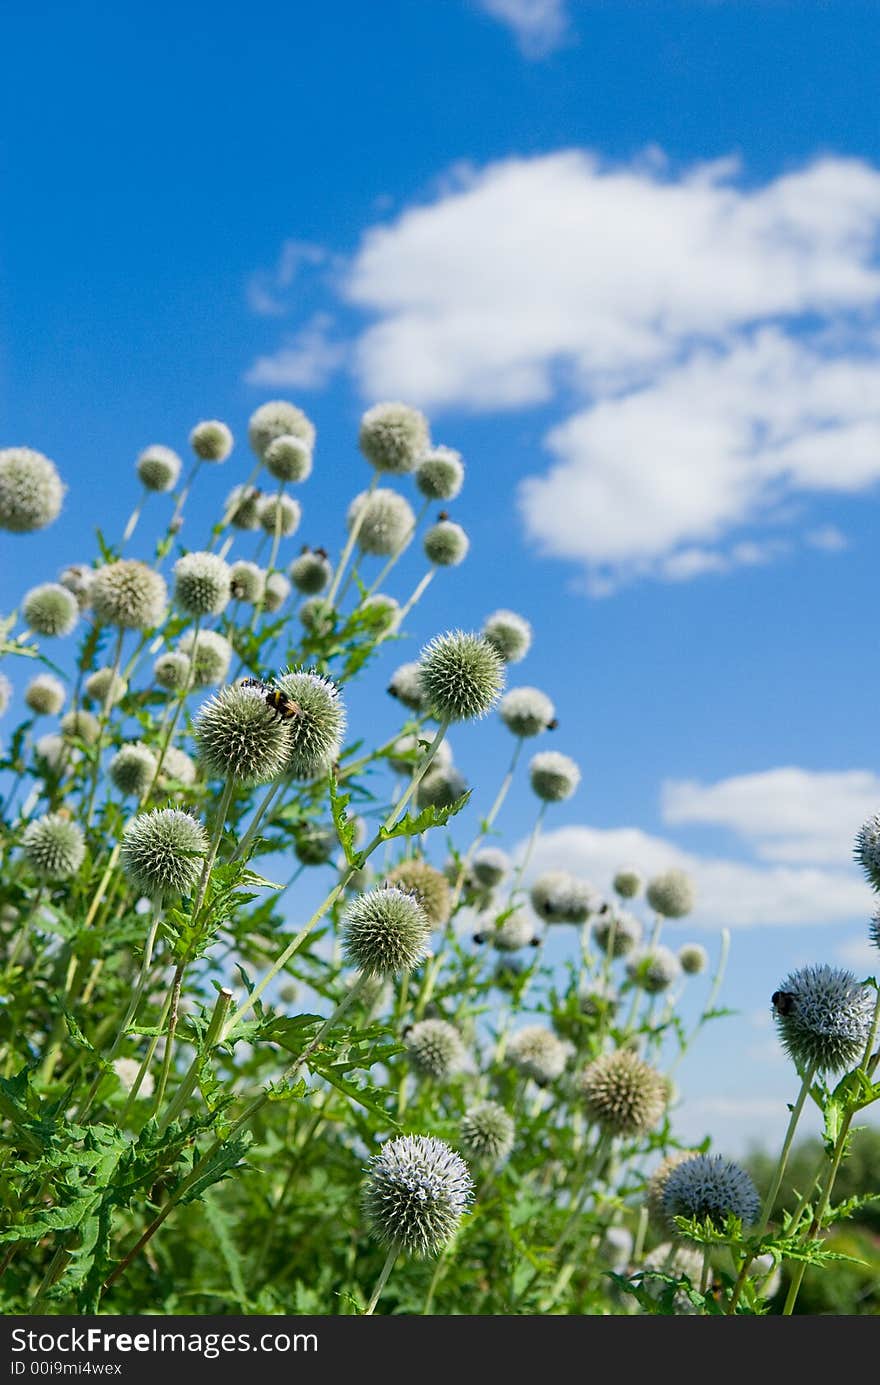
x=539 y=26
x=268 y=290
x=305 y=360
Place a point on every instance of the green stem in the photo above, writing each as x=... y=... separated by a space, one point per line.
x=351 y=540
x=381 y=1281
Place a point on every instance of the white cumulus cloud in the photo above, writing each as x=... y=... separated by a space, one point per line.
x=540 y=26
x=305 y=360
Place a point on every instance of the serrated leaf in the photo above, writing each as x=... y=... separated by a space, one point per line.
x=414 y=826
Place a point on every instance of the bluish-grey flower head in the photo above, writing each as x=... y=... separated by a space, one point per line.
x=318 y=616
x=434 y=1049
x=317 y=729
x=867 y=850
x=276 y=592
x=311 y=572
x=211 y=440
x=129 y=594
x=247 y=582
x=279 y=513
x=209 y=654
x=671 y=894
x=158 y=468
x=627 y=883
x=202 y=584
x=288 y=458
x=80 y=725
x=526 y=712
x=78 y=578
x=381 y=610
x=406 y=685
x=440 y=474
x=163 y=853
x=171 y=671
x=486 y=1134
x=314 y=844
x=429 y=886
x=177 y=765
x=276 y=419
x=559 y=897
x=709 y=1187
x=536 y=1052
x=554 y=777
x=31 y=491
x=489 y=866
x=243 y=507
x=132 y=769
x=623 y=1094
x=693 y=958
x=657 y=1185
x=462 y=676
x=239 y=736
x=50 y=610
x=440 y=787
x=509 y=634
x=45 y=695
x=54 y=847
x=446 y=544
x=823 y=1017
x=653 y=969
x=415 y=1194
x=388 y=521
x=106 y=687
x=512 y=933
x=874 y=929
x=393 y=437
x=617 y=931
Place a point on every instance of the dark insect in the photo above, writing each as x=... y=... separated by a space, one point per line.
x=534 y=942
x=479 y=938
x=552 y=725
x=783 y=1002
x=443 y=516
x=283 y=706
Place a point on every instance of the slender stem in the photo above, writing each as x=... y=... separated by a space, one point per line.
x=102 y=725
x=176 y=983
x=231 y=509
x=133 y=519
x=188 y=1084
x=351 y=540
x=182 y=497
x=241 y=851
x=397 y=554
x=382 y=1280
x=527 y=855
x=408 y=605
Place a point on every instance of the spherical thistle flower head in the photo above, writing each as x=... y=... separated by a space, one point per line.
x=317 y=729
x=240 y=737
x=617 y=931
x=486 y=1134
x=278 y=419
x=415 y=1193
x=381 y=611
x=288 y=458
x=103 y=683
x=31 y=491
x=388 y=521
x=318 y=616
x=554 y=777
x=202 y=584
x=276 y=592
x=45 y=695
x=54 y=847
x=560 y=897
x=623 y=1094
x=211 y=440
x=434 y=1049
x=315 y=844
x=657 y=1185
x=177 y=765
x=247 y=581
x=671 y=894
x=526 y=711
x=393 y=437
x=78 y=578
x=49 y=751
x=133 y=769
x=158 y=468
x=80 y=725
x=171 y=671
x=127 y=1070
x=446 y=544
x=653 y=969
x=627 y=883
x=429 y=885
x=598 y=998
x=310 y=572
x=163 y=853
x=279 y=512
x=406 y=685
x=823 y=1017
x=441 y=787
x=874 y=929
x=243 y=507
x=210 y=655
x=680 y=1261
x=385 y=931
x=867 y=850
x=440 y=474
x=709 y=1187
x=538 y=1053
x=50 y=609
x=513 y=933
x=129 y=594
x=408 y=750
x=462 y=676
x=509 y=634
x=489 y=866
x=693 y=958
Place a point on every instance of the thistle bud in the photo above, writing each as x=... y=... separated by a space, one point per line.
x=31 y=491
x=509 y=634
x=393 y=437
x=129 y=594
x=202 y=584
x=440 y=474
x=158 y=468
x=288 y=458
x=50 y=610
x=163 y=853
x=415 y=1193
x=54 y=847
x=211 y=440
x=278 y=419
x=45 y=695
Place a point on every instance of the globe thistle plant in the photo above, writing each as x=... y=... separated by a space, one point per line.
x=627 y=883
x=509 y=634
x=446 y=544
x=617 y=931
x=559 y=897
x=671 y=894
x=385 y=931
x=31 y=491
x=240 y=737
x=693 y=959
x=316 y=731
x=527 y=712
x=288 y=458
x=512 y=933
x=382 y=611
x=279 y=513
x=434 y=1049
x=163 y=852
x=247 y=582
x=276 y=591
x=78 y=578
x=129 y=594
x=823 y=1018
x=177 y=765
x=80 y=725
x=709 y=1187
x=158 y=468
x=45 y=695
x=440 y=474
x=867 y=850
x=277 y=419
x=429 y=886
x=489 y=866
x=440 y=787
x=202 y=583
x=415 y=1193
x=393 y=437
x=209 y=655
x=50 y=610
x=133 y=769
x=171 y=671
x=311 y=572
x=657 y=1185
x=54 y=847
x=50 y=751
x=653 y=969
x=106 y=686
x=553 y=777
x=874 y=929
x=318 y=616
x=408 y=750
x=385 y=521
x=623 y=1094
x=462 y=676
x=486 y=1134
x=406 y=685
x=211 y=440
x=315 y=844
x=243 y=507
x=536 y=1052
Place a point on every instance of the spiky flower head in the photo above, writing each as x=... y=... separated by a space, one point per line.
x=489 y=866
x=462 y=676
x=627 y=883
x=127 y=1070
x=288 y=458
x=653 y=969
x=823 y=1017
x=415 y=1193
x=440 y=474
x=310 y=572
x=671 y=894
x=177 y=765
x=318 y=616
x=526 y=711
x=874 y=929
x=693 y=958
x=617 y=931
x=538 y=1053
x=553 y=776
x=486 y=1134
x=240 y=737
x=54 y=847
x=276 y=592
x=49 y=751
x=512 y=933
x=31 y=491
x=429 y=885
x=211 y=440
x=442 y=786
x=278 y=419
x=381 y=610
x=50 y=609
x=710 y=1187
x=279 y=513
x=243 y=507
x=105 y=686
x=387 y=523
x=509 y=634
x=171 y=671
x=385 y=931
x=623 y=1094
x=210 y=655
x=657 y=1185
x=158 y=468
x=406 y=685
x=446 y=544
x=434 y=1049
x=133 y=769
x=315 y=844
x=393 y=437
x=81 y=725
x=316 y=731
x=129 y=594
x=247 y=581
x=202 y=584
x=163 y=852
x=867 y=850
x=559 y=897
x=78 y=578
x=45 y=695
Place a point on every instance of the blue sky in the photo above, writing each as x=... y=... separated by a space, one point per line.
x=624 y=255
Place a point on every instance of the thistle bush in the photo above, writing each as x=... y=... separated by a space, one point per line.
x=277 y=1033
